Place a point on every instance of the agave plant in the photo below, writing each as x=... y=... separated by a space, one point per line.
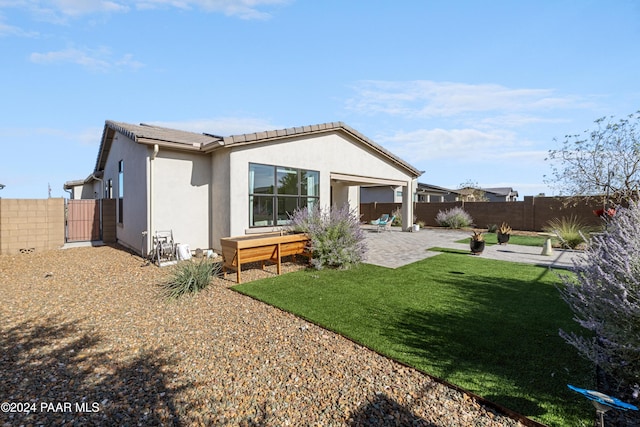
x=477 y=243
x=504 y=233
x=477 y=236
x=504 y=228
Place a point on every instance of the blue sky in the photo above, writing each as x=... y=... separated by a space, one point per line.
x=464 y=90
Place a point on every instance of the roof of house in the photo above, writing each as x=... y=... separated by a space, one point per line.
x=205 y=143
x=501 y=191
x=432 y=188
x=74 y=183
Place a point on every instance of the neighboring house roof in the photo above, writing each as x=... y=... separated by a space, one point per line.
x=70 y=184
x=501 y=191
x=432 y=188
x=507 y=192
x=191 y=141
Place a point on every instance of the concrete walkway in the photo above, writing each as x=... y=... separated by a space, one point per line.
x=396 y=248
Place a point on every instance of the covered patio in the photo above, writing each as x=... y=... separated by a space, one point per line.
x=345 y=189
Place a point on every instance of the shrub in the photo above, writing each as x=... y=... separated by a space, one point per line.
x=454 y=218
x=336 y=237
x=604 y=296
x=397 y=217
x=190 y=277
x=569 y=229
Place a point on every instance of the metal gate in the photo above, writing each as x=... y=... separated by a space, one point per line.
x=83 y=220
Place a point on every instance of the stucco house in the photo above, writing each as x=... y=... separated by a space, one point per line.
x=204 y=186
x=469 y=194
x=424 y=193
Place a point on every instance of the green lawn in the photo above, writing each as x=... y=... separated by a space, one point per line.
x=488 y=326
x=492 y=239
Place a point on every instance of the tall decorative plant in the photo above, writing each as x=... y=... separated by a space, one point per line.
x=454 y=218
x=605 y=299
x=336 y=238
x=504 y=233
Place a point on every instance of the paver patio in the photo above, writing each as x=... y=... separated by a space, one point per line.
x=396 y=248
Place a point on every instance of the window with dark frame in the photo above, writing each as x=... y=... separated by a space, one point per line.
x=120 y=190
x=275 y=192
x=108 y=189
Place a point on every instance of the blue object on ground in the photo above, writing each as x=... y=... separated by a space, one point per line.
x=604 y=399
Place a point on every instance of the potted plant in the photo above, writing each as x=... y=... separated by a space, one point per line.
x=504 y=232
x=477 y=243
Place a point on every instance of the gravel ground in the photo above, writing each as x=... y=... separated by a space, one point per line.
x=88 y=340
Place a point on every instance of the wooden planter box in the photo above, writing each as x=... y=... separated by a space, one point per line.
x=260 y=247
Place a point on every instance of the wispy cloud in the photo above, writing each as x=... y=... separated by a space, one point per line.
x=11 y=30
x=429 y=99
x=433 y=144
x=100 y=60
x=58 y=11
x=470 y=123
x=61 y=11
x=245 y=9
x=85 y=7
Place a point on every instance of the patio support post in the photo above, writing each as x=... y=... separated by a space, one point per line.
x=407 y=205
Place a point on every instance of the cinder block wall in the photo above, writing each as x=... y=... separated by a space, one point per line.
x=531 y=214
x=29 y=225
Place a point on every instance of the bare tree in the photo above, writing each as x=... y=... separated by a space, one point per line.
x=603 y=163
x=470 y=191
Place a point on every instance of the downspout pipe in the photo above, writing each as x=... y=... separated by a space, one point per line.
x=154 y=154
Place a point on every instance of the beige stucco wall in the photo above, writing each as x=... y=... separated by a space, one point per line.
x=182 y=197
x=221 y=197
x=329 y=153
x=129 y=232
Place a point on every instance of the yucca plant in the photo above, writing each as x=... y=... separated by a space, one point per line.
x=190 y=277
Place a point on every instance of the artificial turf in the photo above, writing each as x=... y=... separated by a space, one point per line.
x=490 y=327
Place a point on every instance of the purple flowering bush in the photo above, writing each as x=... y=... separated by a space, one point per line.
x=337 y=240
x=605 y=299
x=454 y=218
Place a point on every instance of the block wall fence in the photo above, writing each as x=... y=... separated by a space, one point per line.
x=531 y=214
x=30 y=225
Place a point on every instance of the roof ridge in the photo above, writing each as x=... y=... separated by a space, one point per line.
x=206 y=142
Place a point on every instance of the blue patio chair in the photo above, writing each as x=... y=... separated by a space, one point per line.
x=386 y=225
x=382 y=220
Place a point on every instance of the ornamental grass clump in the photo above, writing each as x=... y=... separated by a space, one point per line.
x=336 y=239
x=454 y=218
x=190 y=277
x=604 y=296
x=569 y=229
